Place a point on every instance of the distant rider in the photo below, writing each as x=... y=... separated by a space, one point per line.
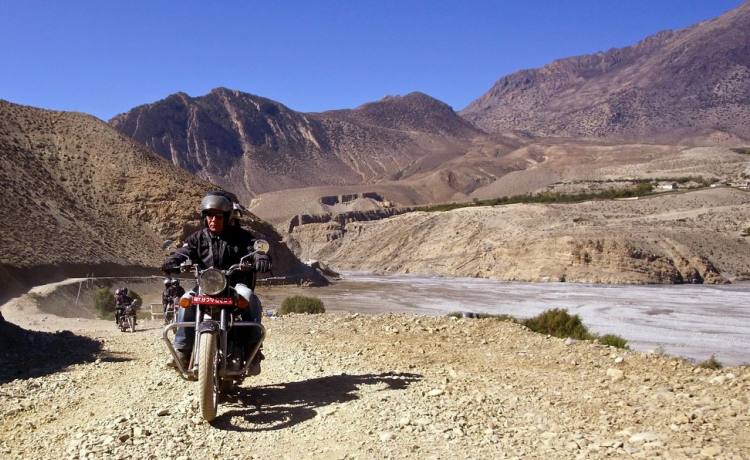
x=172 y=289
x=219 y=244
x=122 y=300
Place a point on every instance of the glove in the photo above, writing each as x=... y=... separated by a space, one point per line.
x=168 y=268
x=262 y=263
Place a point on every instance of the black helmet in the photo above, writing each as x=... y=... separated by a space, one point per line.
x=122 y=291
x=175 y=282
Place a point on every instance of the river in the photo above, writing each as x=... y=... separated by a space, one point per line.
x=692 y=321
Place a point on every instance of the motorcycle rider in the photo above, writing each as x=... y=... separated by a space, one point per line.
x=219 y=244
x=172 y=289
x=122 y=300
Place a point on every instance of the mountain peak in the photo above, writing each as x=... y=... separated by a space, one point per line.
x=666 y=86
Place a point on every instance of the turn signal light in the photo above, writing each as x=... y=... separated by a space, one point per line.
x=184 y=302
x=242 y=302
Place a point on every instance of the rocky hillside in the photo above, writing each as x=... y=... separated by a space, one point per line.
x=251 y=144
x=505 y=166
x=694 y=237
x=81 y=197
x=688 y=85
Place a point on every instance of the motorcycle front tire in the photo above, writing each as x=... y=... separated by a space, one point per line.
x=207 y=376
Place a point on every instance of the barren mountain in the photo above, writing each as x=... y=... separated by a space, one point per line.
x=250 y=144
x=688 y=85
x=79 y=197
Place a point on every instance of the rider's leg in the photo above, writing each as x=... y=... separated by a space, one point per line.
x=252 y=335
x=253 y=313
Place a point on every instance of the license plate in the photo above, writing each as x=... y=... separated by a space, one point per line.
x=207 y=300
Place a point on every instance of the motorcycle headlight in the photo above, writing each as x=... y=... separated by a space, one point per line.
x=212 y=281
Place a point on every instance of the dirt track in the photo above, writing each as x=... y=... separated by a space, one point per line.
x=386 y=386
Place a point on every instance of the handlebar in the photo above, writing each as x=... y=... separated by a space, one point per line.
x=246 y=264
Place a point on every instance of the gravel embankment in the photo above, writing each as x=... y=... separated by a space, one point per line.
x=385 y=386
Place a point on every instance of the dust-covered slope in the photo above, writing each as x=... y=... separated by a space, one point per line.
x=680 y=238
x=79 y=196
x=77 y=191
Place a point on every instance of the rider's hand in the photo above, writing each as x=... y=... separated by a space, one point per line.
x=167 y=268
x=262 y=263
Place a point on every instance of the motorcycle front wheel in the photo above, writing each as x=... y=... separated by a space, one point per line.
x=207 y=378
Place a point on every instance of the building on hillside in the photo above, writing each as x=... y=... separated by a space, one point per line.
x=666 y=186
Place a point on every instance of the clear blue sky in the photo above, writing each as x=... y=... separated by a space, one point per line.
x=104 y=57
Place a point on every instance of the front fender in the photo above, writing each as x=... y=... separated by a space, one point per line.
x=210 y=326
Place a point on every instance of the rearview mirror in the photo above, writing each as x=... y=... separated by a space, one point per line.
x=261 y=246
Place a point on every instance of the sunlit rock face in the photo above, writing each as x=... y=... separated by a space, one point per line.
x=251 y=144
x=676 y=239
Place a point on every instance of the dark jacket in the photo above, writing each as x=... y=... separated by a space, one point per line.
x=122 y=301
x=217 y=251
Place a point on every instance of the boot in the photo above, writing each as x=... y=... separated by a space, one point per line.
x=184 y=358
x=254 y=368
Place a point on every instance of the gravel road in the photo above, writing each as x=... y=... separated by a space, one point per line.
x=343 y=385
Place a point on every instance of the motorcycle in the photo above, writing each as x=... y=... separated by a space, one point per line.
x=219 y=360
x=127 y=318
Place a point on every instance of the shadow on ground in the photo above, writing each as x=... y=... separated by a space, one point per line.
x=275 y=407
x=26 y=354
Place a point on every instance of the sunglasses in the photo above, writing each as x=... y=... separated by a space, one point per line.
x=214 y=215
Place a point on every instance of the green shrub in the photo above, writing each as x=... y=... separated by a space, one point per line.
x=137 y=297
x=104 y=302
x=301 y=304
x=613 y=341
x=640 y=189
x=559 y=323
x=711 y=363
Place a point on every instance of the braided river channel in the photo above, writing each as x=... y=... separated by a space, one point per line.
x=691 y=321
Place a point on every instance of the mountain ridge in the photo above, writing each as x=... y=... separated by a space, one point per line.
x=669 y=86
x=226 y=133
